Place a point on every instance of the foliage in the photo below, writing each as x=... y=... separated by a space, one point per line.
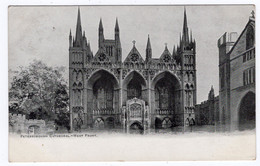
x=40 y=92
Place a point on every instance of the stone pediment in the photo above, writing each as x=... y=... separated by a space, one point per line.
x=166 y=56
x=101 y=56
x=134 y=56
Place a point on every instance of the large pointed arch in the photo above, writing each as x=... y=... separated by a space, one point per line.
x=134 y=84
x=165 y=74
x=98 y=74
x=246 y=112
x=131 y=75
x=102 y=94
x=166 y=92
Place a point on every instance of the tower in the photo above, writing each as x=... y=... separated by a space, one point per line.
x=186 y=57
x=225 y=43
x=79 y=53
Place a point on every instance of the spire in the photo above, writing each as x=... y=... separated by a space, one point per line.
x=100 y=25
x=190 y=36
x=89 y=45
x=116 y=26
x=181 y=44
x=148 y=46
x=70 y=39
x=148 y=50
x=117 y=38
x=78 y=36
x=174 y=51
x=100 y=34
x=185 y=31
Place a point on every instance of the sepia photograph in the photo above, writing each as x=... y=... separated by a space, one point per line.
x=179 y=79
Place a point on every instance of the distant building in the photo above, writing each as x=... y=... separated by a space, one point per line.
x=206 y=113
x=19 y=124
x=139 y=93
x=237 y=78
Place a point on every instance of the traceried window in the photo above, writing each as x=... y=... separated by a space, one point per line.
x=164 y=94
x=250 y=37
x=134 y=89
x=103 y=92
x=134 y=57
x=102 y=57
x=166 y=58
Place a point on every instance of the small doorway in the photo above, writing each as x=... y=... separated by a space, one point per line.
x=136 y=128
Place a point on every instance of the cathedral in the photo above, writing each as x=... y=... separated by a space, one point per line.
x=136 y=94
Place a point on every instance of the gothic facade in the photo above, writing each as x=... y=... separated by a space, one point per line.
x=135 y=94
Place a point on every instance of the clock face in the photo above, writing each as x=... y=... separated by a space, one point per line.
x=102 y=57
x=166 y=58
x=134 y=57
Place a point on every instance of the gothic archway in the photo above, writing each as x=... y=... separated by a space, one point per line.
x=104 y=91
x=247 y=112
x=110 y=123
x=136 y=128
x=134 y=84
x=158 y=123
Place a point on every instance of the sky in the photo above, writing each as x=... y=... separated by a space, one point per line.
x=42 y=33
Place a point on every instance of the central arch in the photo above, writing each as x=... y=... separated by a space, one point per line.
x=247 y=112
x=134 y=85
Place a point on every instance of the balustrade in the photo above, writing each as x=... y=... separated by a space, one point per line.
x=104 y=111
x=164 y=111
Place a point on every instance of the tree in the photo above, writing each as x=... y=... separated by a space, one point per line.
x=39 y=91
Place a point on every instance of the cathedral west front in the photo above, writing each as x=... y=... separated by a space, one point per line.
x=137 y=94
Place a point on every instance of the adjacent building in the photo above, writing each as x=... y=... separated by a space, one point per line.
x=237 y=79
x=206 y=113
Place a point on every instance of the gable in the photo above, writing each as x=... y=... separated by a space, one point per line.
x=241 y=44
x=101 y=56
x=134 y=56
x=166 y=56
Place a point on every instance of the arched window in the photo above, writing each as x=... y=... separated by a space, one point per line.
x=74 y=75
x=134 y=89
x=79 y=76
x=103 y=92
x=250 y=37
x=164 y=94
